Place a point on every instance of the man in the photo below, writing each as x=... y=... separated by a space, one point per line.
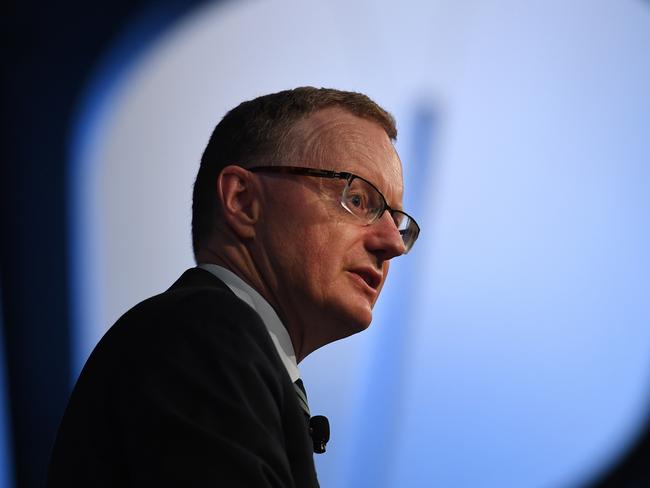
x=296 y=215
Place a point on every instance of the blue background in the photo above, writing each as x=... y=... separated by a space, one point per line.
x=529 y=286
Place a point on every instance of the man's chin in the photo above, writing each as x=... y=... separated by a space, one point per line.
x=339 y=327
x=356 y=321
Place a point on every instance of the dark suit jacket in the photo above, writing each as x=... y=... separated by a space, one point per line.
x=186 y=389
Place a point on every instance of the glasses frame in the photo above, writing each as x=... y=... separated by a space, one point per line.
x=348 y=177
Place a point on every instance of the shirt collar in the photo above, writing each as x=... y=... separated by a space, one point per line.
x=274 y=325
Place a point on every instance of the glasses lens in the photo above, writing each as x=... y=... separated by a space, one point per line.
x=361 y=199
x=407 y=227
x=364 y=201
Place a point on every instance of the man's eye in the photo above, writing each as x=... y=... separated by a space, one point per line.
x=356 y=201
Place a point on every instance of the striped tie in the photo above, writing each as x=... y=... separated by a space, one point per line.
x=302 y=398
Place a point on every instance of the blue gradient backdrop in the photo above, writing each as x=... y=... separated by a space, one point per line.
x=511 y=347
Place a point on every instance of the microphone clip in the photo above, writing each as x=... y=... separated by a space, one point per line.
x=319 y=430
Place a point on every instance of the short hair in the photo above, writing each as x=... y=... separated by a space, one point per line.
x=257 y=131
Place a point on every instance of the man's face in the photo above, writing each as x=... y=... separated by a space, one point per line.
x=325 y=267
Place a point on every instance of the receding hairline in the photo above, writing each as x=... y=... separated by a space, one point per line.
x=290 y=138
x=306 y=137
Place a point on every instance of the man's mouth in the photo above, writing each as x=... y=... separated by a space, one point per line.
x=371 y=277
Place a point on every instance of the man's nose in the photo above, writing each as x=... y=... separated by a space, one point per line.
x=384 y=239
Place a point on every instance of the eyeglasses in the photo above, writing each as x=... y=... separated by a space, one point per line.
x=359 y=197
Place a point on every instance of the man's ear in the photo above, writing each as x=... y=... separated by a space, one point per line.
x=239 y=197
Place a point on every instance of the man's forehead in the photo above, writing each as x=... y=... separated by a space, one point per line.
x=339 y=126
x=333 y=138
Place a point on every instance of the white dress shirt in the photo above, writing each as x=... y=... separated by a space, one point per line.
x=274 y=326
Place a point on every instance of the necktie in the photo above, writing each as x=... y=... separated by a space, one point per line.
x=302 y=398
